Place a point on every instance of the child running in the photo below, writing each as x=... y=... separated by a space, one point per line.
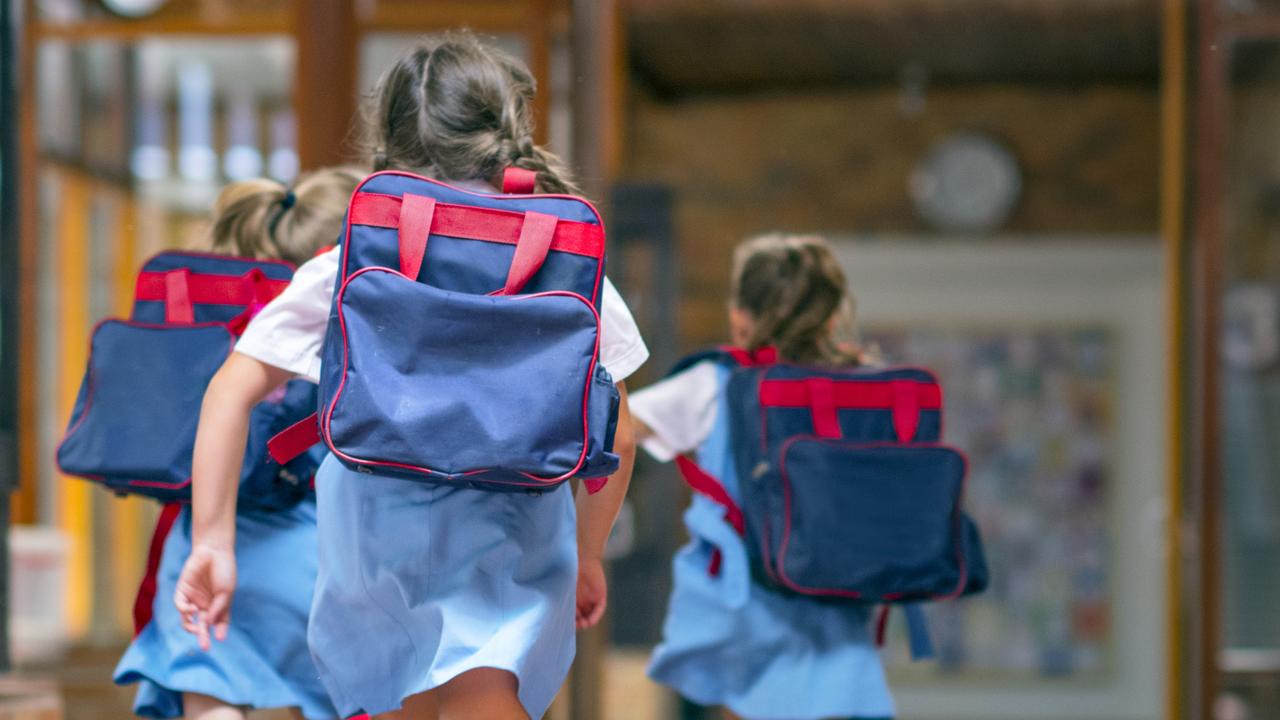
x=727 y=640
x=432 y=600
x=263 y=662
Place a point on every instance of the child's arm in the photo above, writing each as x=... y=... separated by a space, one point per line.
x=596 y=514
x=208 y=578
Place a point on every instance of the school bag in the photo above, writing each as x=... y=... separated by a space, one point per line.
x=847 y=493
x=133 y=425
x=463 y=339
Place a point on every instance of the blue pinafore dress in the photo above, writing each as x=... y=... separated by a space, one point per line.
x=764 y=655
x=264 y=661
x=420 y=583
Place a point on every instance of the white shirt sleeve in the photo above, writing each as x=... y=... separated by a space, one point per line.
x=289 y=331
x=679 y=411
x=622 y=350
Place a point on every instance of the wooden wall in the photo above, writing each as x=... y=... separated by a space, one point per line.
x=838 y=161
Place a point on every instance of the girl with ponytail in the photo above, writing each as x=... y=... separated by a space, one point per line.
x=432 y=601
x=728 y=641
x=263 y=662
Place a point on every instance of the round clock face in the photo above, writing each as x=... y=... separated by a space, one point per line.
x=967 y=183
x=133 y=8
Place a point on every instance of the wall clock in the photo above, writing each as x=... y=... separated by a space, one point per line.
x=133 y=8
x=968 y=182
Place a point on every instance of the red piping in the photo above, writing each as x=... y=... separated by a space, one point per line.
x=346 y=359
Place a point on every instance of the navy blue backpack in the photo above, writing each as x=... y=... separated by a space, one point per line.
x=134 y=422
x=463 y=340
x=847 y=493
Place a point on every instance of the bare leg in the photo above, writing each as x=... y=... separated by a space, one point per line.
x=202 y=707
x=481 y=694
x=423 y=706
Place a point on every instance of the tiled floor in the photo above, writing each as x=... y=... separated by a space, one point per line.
x=84 y=678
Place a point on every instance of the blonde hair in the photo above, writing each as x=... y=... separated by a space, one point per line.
x=458 y=109
x=265 y=219
x=797 y=297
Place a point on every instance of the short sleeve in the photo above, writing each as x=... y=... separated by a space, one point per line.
x=289 y=332
x=679 y=411
x=622 y=350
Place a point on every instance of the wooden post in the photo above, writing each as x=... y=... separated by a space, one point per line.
x=596 y=56
x=24 y=510
x=597 y=117
x=325 y=88
x=1212 y=62
x=1173 y=188
x=10 y=280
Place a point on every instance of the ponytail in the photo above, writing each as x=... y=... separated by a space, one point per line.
x=795 y=293
x=265 y=219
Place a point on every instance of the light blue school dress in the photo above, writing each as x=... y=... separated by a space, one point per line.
x=419 y=583
x=264 y=662
x=764 y=655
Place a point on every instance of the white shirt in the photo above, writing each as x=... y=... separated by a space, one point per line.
x=680 y=411
x=289 y=331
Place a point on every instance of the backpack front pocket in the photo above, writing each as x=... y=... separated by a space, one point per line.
x=450 y=386
x=872 y=522
x=134 y=423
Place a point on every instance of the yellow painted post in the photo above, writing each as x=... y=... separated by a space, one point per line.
x=74 y=503
x=131 y=517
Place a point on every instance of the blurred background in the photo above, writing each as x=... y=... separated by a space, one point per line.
x=1069 y=208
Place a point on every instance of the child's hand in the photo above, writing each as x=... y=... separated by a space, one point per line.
x=203 y=595
x=593 y=592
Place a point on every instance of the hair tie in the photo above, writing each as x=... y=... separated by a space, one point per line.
x=286 y=202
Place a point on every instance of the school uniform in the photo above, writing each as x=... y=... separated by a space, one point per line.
x=419 y=583
x=263 y=662
x=728 y=640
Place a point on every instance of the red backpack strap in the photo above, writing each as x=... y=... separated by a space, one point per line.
x=294 y=440
x=707 y=484
x=145 y=601
x=518 y=181
x=177 y=297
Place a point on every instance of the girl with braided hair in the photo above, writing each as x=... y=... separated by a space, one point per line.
x=728 y=641
x=432 y=601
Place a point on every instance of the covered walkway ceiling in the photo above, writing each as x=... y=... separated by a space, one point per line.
x=697 y=46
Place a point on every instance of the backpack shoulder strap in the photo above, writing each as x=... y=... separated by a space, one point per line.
x=728 y=355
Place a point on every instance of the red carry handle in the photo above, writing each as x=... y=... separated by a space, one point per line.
x=518 y=181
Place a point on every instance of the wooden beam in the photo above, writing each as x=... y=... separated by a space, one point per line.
x=325 y=88
x=1173 y=189
x=247 y=23
x=494 y=16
